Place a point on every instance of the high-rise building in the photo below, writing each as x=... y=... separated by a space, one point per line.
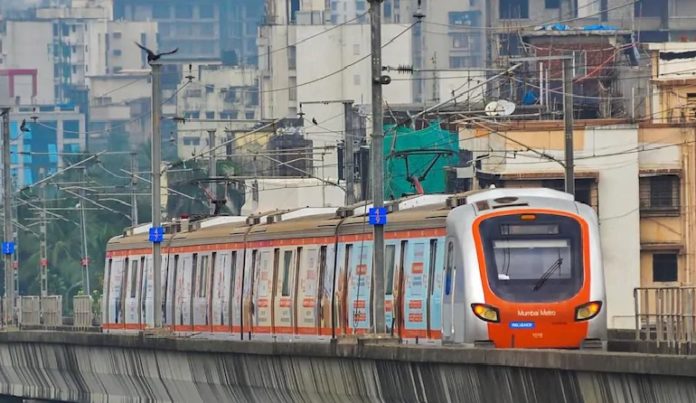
x=201 y=29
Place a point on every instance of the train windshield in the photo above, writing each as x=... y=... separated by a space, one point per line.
x=533 y=257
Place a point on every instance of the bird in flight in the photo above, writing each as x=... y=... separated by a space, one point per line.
x=23 y=127
x=314 y=120
x=152 y=56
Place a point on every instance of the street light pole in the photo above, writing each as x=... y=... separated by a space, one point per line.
x=568 y=123
x=377 y=163
x=156 y=168
x=7 y=207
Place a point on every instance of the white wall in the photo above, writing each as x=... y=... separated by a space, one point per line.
x=27 y=45
x=292 y=193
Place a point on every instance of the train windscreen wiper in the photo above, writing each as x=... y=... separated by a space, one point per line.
x=548 y=273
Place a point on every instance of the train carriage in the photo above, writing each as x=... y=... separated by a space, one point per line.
x=501 y=267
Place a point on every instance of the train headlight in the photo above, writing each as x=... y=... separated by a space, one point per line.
x=486 y=312
x=588 y=311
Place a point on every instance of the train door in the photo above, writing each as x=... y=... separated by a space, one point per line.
x=147 y=294
x=170 y=291
x=415 y=293
x=283 y=323
x=436 y=269
x=201 y=293
x=263 y=292
x=360 y=289
x=327 y=265
x=114 y=307
x=219 y=302
x=340 y=308
x=391 y=251
x=250 y=271
x=448 y=297
x=309 y=278
x=105 y=319
x=132 y=295
x=236 y=287
x=184 y=288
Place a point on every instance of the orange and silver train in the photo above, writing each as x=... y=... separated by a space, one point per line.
x=499 y=267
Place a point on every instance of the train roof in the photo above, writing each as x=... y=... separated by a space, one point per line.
x=415 y=212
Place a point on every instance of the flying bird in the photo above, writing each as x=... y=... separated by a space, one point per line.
x=152 y=56
x=314 y=120
x=23 y=127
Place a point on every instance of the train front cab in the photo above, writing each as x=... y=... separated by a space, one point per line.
x=528 y=277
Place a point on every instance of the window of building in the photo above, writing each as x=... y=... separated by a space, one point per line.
x=579 y=63
x=192 y=141
x=161 y=11
x=650 y=8
x=206 y=11
x=690 y=112
x=292 y=84
x=117 y=52
x=207 y=29
x=460 y=40
x=665 y=267
x=249 y=115
x=553 y=3
x=117 y=35
x=514 y=9
x=292 y=57
x=117 y=69
x=659 y=194
x=458 y=62
x=210 y=115
x=183 y=12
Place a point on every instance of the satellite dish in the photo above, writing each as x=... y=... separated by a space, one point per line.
x=506 y=108
x=492 y=109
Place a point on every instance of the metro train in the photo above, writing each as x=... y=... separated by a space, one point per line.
x=500 y=267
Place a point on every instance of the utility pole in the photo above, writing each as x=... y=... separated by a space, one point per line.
x=349 y=158
x=43 y=250
x=134 y=183
x=83 y=227
x=15 y=239
x=377 y=162
x=212 y=169
x=568 y=122
x=156 y=159
x=7 y=206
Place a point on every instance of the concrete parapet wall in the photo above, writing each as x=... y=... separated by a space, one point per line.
x=94 y=367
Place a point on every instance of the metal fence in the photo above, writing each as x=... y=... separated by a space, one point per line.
x=667 y=316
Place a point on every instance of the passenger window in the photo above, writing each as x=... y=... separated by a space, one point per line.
x=194 y=275
x=322 y=270
x=449 y=268
x=287 y=261
x=389 y=269
x=233 y=273
x=431 y=266
x=134 y=278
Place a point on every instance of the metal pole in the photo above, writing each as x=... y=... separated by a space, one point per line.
x=134 y=197
x=83 y=226
x=377 y=162
x=43 y=252
x=156 y=177
x=7 y=206
x=349 y=158
x=568 y=120
x=212 y=169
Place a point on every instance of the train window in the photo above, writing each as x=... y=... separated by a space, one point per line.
x=202 y=277
x=233 y=273
x=389 y=262
x=134 y=278
x=287 y=261
x=449 y=268
x=431 y=266
x=211 y=273
x=194 y=274
x=533 y=261
x=322 y=270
